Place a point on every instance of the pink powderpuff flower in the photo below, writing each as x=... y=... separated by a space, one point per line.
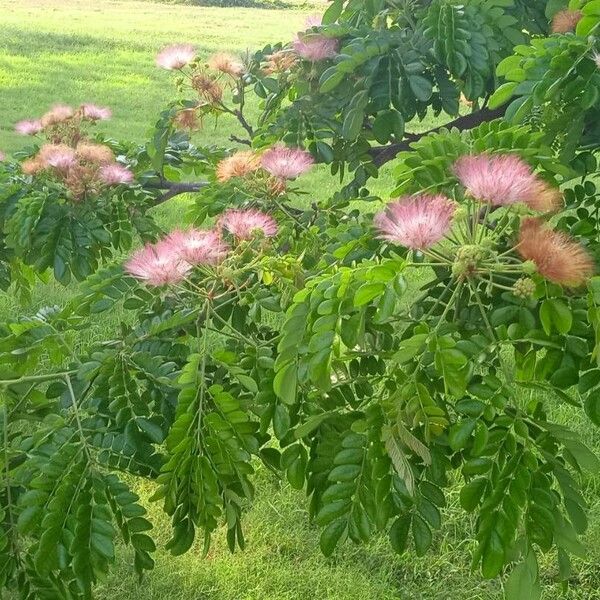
x=240 y=164
x=544 y=198
x=158 y=264
x=226 y=63
x=280 y=62
x=565 y=21
x=286 y=163
x=98 y=154
x=95 y=113
x=2 y=156
x=59 y=156
x=32 y=166
x=29 y=127
x=198 y=246
x=501 y=180
x=596 y=58
x=245 y=224
x=115 y=174
x=315 y=46
x=558 y=257
x=176 y=56
x=57 y=114
x=416 y=222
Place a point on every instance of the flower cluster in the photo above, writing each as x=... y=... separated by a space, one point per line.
x=187 y=118
x=470 y=236
x=208 y=88
x=245 y=224
x=282 y=164
x=207 y=80
x=84 y=168
x=172 y=259
x=310 y=45
x=64 y=123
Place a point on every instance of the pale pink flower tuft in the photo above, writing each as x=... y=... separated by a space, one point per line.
x=29 y=127
x=280 y=62
x=187 y=119
x=557 y=256
x=416 y=222
x=32 y=166
x=95 y=113
x=226 y=63
x=245 y=224
x=565 y=21
x=313 y=21
x=98 y=154
x=115 y=174
x=59 y=156
x=501 y=180
x=286 y=163
x=198 y=246
x=596 y=58
x=158 y=264
x=315 y=46
x=57 y=114
x=240 y=164
x=176 y=56
x=2 y=156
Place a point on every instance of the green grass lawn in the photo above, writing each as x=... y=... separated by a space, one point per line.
x=102 y=51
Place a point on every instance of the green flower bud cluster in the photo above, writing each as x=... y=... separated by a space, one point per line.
x=524 y=288
x=467 y=260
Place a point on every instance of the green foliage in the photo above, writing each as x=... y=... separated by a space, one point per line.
x=45 y=231
x=375 y=377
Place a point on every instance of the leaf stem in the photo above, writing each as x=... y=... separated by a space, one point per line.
x=77 y=419
x=37 y=378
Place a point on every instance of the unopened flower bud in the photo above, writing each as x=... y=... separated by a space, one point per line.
x=529 y=267
x=524 y=287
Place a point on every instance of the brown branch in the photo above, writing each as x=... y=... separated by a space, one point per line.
x=239 y=140
x=384 y=154
x=379 y=154
x=243 y=122
x=175 y=189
